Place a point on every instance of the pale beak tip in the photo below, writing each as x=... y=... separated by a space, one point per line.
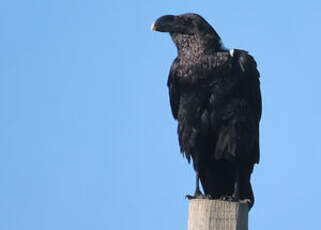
x=153 y=26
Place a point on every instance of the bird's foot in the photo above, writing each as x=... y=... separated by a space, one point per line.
x=235 y=198
x=227 y=198
x=198 y=195
x=246 y=201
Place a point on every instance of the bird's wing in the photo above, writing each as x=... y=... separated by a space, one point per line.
x=174 y=93
x=239 y=109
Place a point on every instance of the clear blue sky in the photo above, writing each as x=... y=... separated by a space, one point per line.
x=87 y=140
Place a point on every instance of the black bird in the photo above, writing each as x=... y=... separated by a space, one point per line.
x=215 y=97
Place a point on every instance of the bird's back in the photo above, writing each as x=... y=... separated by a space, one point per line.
x=219 y=101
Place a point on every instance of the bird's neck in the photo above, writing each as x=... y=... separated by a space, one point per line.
x=193 y=45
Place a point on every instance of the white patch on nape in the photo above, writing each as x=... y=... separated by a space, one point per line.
x=222 y=45
x=231 y=52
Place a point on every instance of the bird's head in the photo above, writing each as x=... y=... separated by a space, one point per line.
x=188 y=29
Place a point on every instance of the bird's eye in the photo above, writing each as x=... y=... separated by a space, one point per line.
x=189 y=22
x=189 y=26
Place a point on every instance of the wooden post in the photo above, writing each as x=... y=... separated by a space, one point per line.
x=217 y=215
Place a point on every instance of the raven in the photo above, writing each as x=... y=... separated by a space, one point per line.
x=215 y=97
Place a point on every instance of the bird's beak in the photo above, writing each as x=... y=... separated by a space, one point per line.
x=165 y=23
x=153 y=26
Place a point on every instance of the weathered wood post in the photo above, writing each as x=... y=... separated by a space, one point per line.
x=217 y=215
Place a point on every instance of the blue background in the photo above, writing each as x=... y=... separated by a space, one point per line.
x=87 y=139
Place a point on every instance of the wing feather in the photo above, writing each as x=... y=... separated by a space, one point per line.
x=240 y=112
x=174 y=93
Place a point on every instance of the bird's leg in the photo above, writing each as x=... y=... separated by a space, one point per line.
x=246 y=192
x=197 y=190
x=198 y=193
x=236 y=193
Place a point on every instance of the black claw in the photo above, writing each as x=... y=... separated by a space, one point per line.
x=227 y=198
x=199 y=196
x=235 y=198
x=246 y=201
